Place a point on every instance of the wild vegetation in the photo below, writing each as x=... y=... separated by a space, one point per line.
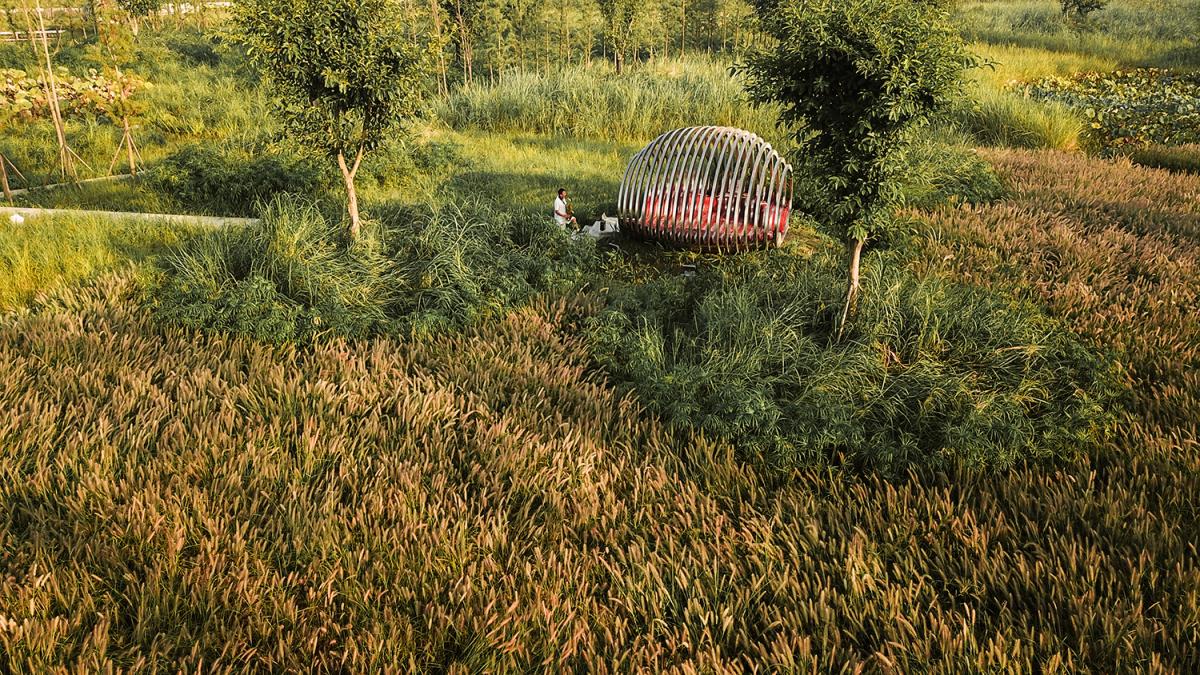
x=1137 y=107
x=467 y=441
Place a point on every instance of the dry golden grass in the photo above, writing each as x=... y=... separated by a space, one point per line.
x=1114 y=248
x=483 y=503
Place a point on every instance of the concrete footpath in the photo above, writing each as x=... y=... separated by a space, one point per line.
x=13 y=215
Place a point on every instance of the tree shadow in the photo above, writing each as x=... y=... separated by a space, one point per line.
x=591 y=195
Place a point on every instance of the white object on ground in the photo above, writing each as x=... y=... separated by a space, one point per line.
x=17 y=219
x=605 y=227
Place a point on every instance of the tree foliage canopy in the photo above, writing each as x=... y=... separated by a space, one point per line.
x=854 y=80
x=344 y=71
x=139 y=7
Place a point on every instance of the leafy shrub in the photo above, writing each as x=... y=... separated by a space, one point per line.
x=231 y=182
x=1077 y=11
x=1131 y=107
x=934 y=373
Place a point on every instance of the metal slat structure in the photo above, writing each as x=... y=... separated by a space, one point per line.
x=708 y=188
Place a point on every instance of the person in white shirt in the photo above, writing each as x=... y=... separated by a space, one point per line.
x=562 y=210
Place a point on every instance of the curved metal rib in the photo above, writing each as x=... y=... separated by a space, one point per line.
x=707 y=187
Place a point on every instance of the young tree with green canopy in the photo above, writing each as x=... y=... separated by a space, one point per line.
x=344 y=73
x=620 y=17
x=854 y=81
x=136 y=9
x=1078 y=11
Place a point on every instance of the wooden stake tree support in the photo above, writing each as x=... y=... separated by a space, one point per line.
x=66 y=156
x=118 y=104
x=5 y=165
x=710 y=188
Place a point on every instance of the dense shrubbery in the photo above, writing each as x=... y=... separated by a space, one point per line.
x=232 y=182
x=1131 y=107
x=933 y=373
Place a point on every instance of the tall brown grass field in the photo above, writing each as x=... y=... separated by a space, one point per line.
x=486 y=503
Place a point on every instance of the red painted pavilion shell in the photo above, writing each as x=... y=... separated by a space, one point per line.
x=709 y=188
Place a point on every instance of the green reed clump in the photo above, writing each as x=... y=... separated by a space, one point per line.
x=596 y=102
x=290 y=277
x=933 y=372
x=1005 y=119
x=294 y=278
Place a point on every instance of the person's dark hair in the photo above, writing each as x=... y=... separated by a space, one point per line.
x=561 y=190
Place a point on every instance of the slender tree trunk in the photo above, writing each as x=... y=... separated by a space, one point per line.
x=443 y=80
x=464 y=44
x=854 y=248
x=683 y=27
x=348 y=175
x=564 y=47
x=66 y=155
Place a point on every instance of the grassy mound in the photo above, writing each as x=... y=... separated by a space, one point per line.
x=932 y=373
x=46 y=254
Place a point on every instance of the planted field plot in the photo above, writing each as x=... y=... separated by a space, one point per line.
x=486 y=501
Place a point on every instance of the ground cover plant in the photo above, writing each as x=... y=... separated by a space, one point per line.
x=621 y=544
x=930 y=373
x=1137 y=107
x=295 y=278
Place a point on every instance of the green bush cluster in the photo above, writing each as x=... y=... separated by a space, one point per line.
x=231 y=182
x=934 y=373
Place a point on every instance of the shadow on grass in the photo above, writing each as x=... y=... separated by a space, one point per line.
x=591 y=195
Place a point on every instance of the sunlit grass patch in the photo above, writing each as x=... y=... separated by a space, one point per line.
x=48 y=253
